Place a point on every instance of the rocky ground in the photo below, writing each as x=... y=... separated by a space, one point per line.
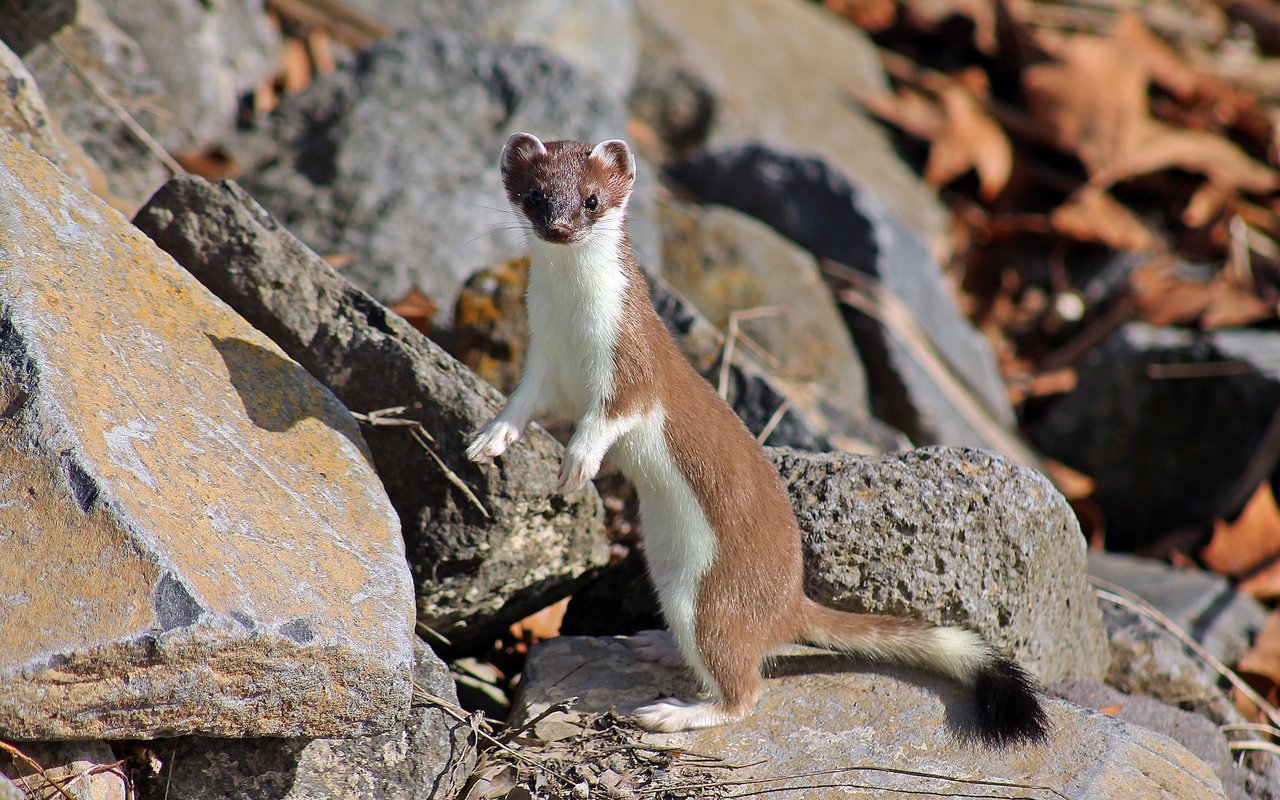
x=259 y=284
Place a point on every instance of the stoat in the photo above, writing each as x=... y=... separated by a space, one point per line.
x=721 y=541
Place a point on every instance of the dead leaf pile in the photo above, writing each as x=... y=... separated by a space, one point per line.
x=1060 y=131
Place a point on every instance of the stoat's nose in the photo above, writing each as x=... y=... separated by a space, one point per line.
x=559 y=232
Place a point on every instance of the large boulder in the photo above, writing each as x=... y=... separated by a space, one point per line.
x=814 y=203
x=780 y=72
x=825 y=723
x=194 y=537
x=487 y=544
x=725 y=262
x=428 y=755
x=393 y=160
x=951 y=536
x=1135 y=431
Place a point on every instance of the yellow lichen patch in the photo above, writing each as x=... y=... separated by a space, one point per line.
x=237 y=470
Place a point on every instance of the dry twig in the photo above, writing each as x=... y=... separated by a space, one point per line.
x=389 y=417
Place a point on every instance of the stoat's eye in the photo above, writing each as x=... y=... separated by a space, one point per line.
x=533 y=197
x=592 y=203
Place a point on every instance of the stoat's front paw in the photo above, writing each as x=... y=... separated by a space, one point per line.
x=491 y=441
x=575 y=471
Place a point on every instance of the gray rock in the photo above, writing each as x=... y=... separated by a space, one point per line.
x=192 y=538
x=10 y=791
x=596 y=36
x=394 y=159
x=24 y=23
x=1203 y=604
x=429 y=755
x=1200 y=736
x=811 y=202
x=951 y=536
x=781 y=73
x=63 y=763
x=726 y=262
x=118 y=66
x=820 y=715
x=206 y=55
x=1135 y=434
x=474 y=573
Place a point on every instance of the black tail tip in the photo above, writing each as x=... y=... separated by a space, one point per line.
x=1009 y=710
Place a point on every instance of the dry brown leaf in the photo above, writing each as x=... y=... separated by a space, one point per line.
x=1261 y=664
x=417 y=309
x=1249 y=545
x=1093 y=215
x=1167 y=69
x=969 y=139
x=929 y=15
x=295 y=66
x=542 y=625
x=1092 y=101
x=1163 y=297
x=870 y=15
x=908 y=110
x=1208 y=203
x=1156 y=146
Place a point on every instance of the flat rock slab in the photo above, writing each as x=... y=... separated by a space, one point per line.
x=479 y=564
x=951 y=535
x=192 y=537
x=826 y=723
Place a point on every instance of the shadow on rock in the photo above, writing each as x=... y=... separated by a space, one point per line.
x=277 y=393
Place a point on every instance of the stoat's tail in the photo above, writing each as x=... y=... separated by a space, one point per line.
x=1008 y=706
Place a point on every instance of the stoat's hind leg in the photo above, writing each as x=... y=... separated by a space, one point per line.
x=733 y=672
x=656 y=647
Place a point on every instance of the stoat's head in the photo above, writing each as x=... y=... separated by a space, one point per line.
x=568 y=189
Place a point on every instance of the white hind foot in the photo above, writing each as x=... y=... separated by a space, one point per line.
x=671 y=715
x=657 y=647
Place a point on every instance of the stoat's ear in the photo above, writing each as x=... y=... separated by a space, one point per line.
x=615 y=157
x=521 y=149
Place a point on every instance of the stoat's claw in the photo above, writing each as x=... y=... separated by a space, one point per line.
x=491 y=441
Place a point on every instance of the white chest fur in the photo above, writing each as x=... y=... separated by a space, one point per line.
x=576 y=295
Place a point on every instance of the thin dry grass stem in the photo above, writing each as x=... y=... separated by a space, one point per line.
x=870 y=297
x=1200 y=369
x=389 y=417
x=1122 y=597
x=869 y=768
x=555 y=708
x=14 y=752
x=1256 y=727
x=433 y=633
x=1254 y=744
x=774 y=420
x=731 y=338
x=474 y=721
